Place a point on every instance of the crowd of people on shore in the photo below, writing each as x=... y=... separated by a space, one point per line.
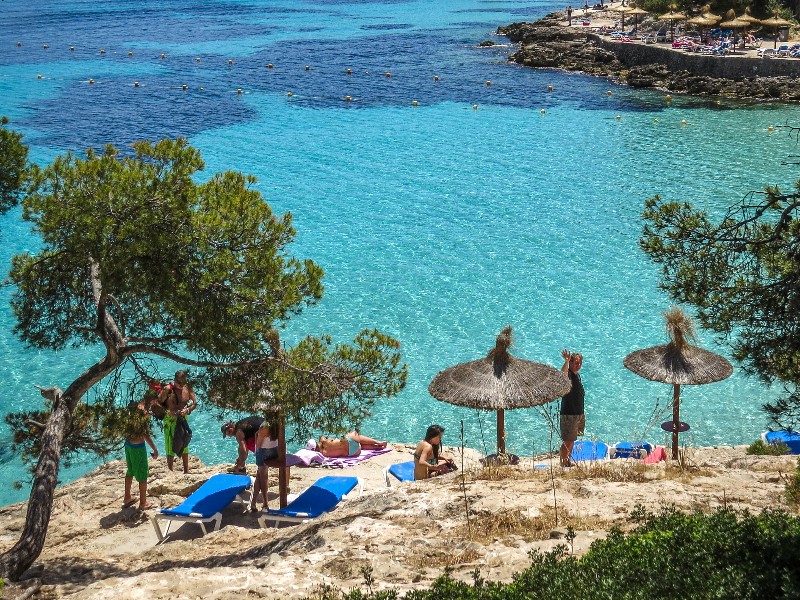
x=174 y=402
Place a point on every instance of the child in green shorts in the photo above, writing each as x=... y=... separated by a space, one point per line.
x=137 y=434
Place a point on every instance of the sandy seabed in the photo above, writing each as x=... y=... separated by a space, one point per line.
x=407 y=534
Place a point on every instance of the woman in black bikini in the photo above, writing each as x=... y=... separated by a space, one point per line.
x=428 y=462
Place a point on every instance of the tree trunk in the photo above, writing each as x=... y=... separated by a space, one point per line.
x=18 y=559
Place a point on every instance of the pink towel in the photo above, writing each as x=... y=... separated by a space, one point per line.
x=304 y=458
x=349 y=461
x=657 y=455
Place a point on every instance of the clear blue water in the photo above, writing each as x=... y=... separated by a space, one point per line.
x=437 y=223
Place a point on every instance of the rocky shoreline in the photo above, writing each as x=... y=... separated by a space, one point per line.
x=549 y=44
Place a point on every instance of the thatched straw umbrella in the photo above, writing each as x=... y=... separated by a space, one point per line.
x=707 y=14
x=622 y=10
x=734 y=23
x=678 y=363
x=636 y=12
x=775 y=21
x=499 y=382
x=702 y=22
x=672 y=16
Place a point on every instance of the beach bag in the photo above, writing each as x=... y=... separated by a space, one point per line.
x=182 y=436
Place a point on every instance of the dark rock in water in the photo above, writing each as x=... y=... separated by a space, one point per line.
x=486 y=44
x=548 y=44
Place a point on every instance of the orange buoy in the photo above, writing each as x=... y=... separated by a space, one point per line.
x=289 y=94
x=347 y=98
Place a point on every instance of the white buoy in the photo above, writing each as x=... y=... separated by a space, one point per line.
x=72 y=48
x=270 y=66
x=308 y=68
x=609 y=92
x=474 y=107
x=19 y=44
x=488 y=83
x=184 y=87
x=102 y=51
x=91 y=81
x=289 y=94
x=135 y=84
x=388 y=74
x=45 y=46
x=349 y=71
x=618 y=117
x=347 y=98
x=163 y=56
x=196 y=59
x=683 y=122
x=238 y=90
x=668 y=98
x=542 y=111
x=230 y=62
x=414 y=103
x=549 y=88
x=130 y=53
x=39 y=76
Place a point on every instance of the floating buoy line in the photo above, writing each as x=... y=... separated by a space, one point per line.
x=348 y=71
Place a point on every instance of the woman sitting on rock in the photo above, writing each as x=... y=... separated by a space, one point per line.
x=428 y=462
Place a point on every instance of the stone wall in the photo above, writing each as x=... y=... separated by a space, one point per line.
x=728 y=67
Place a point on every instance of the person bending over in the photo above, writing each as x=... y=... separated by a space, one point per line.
x=244 y=431
x=428 y=461
x=349 y=445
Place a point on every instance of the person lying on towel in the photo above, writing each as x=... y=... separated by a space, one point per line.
x=348 y=445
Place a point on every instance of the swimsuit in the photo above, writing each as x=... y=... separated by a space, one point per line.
x=136 y=459
x=353 y=447
x=170 y=421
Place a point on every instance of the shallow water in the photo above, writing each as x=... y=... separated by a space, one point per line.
x=437 y=223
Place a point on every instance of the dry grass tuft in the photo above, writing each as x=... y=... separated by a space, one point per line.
x=442 y=559
x=487 y=527
x=501 y=473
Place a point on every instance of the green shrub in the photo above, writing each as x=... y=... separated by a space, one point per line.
x=671 y=555
x=761 y=449
x=793 y=486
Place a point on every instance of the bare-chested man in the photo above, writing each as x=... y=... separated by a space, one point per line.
x=179 y=400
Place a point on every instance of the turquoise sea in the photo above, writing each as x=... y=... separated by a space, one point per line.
x=438 y=223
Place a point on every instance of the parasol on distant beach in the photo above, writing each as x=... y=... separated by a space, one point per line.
x=636 y=12
x=734 y=23
x=775 y=21
x=622 y=9
x=678 y=363
x=499 y=382
x=707 y=14
x=672 y=16
x=702 y=22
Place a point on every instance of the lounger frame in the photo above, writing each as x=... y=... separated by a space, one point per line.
x=242 y=497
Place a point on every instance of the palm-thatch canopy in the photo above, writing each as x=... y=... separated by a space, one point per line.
x=707 y=14
x=672 y=16
x=678 y=363
x=499 y=382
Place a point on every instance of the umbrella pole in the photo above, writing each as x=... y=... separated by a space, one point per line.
x=501 y=431
x=283 y=472
x=676 y=410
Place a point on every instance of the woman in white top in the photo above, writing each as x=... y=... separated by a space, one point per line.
x=266 y=452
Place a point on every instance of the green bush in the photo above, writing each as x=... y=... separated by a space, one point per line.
x=761 y=449
x=793 y=486
x=724 y=555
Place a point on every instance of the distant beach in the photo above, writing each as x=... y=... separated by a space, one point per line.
x=647 y=60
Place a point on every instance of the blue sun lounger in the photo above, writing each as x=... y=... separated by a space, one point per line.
x=323 y=496
x=630 y=450
x=205 y=504
x=403 y=471
x=790 y=438
x=585 y=450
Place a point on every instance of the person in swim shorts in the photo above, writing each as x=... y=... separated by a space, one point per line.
x=349 y=445
x=138 y=433
x=179 y=400
x=573 y=419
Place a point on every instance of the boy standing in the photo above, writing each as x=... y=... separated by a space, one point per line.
x=138 y=433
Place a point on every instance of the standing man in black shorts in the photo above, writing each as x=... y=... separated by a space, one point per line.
x=244 y=431
x=573 y=419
